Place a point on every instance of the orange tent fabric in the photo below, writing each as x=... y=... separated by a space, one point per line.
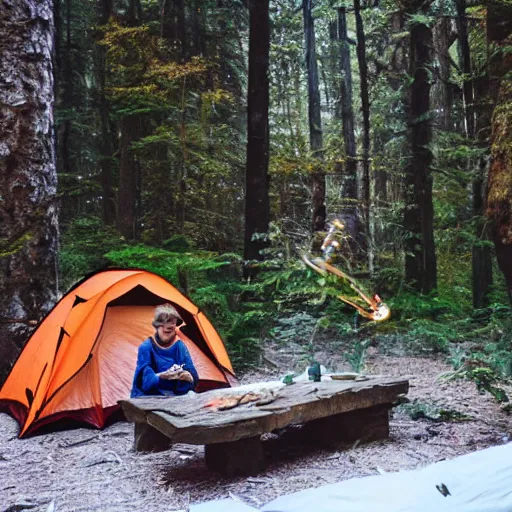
x=81 y=359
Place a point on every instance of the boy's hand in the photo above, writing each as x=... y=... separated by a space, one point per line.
x=170 y=374
x=186 y=376
x=176 y=372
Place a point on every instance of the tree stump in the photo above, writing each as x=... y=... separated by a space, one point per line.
x=240 y=458
x=149 y=439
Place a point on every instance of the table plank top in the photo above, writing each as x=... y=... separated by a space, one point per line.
x=221 y=415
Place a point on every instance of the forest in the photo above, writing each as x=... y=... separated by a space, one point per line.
x=328 y=181
x=214 y=143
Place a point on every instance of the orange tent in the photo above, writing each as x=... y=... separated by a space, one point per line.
x=81 y=359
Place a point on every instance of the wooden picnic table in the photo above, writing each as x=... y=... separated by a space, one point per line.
x=230 y=421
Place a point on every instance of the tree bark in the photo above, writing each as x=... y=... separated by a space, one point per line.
x=256 y=178
x=397 y=68
x=499 y=199
x=182 y=29
x=132 y=128
x=500 y=183
x=465 y=62
x=443 y=87
x=181 y=202
x=65 y=96
x=127 y=221
x=365 y=107
x=481 y=256
x=106 y=143
x=481 y=252
x=168 y=23
x=134 y=12
x=28 y=178
x=198 y=18
x=350 y=212
x=315 y=119
x=334 y=64
x=420 y=257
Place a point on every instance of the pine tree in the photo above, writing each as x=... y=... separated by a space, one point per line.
x=28 y=178
x=257 y=181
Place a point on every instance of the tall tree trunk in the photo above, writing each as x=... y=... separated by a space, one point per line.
x=256 y=178
x=132 y=128
x=106 y=144
x=181 y=202
x=499 y=199
x=420 y=256
x=334 y=64
x=134 y=12
x=198 y=29
x=315 y=119
x=481 y=257
x=127 y=221
x=442 y=43
x=481 y=252
x=465 y=59
x=365 y=107
x=500 y=183
x=397 y=67
x=168 y=28
x=64 y=130
x=182 y=29
x=28 y=178
x=349 y=181
x=64 y=103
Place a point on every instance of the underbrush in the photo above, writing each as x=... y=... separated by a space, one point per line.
x=478 y=343
x=288 y=302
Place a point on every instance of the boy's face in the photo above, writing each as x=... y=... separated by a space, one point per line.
x=167 y=331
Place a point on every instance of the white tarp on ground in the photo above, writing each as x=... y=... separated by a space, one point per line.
x=477 y=482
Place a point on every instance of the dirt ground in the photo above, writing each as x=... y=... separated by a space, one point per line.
x=90 y=470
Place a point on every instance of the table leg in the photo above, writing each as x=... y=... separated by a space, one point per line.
x=244 y=457
x=334 y=432
x=149 y=439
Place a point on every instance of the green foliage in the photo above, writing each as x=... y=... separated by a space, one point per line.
x=143 y=76
x=177 y=243
x=426 y=322
x=83 y=245
x=430 y=336
x=421 y=19
x=188 y=141
x=294 y=327
x=10 y=247
x=418 y=410
x=245 y=335
x=487 y=380
x=410 y=305
x=356 y=357
x=489 y=364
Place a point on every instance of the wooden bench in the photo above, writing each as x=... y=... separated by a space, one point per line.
x=230 y=421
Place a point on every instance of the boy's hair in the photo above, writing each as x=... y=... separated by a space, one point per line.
x=165 y=313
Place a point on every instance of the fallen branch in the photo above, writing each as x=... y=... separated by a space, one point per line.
x=269 y=361
x=77 y=443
